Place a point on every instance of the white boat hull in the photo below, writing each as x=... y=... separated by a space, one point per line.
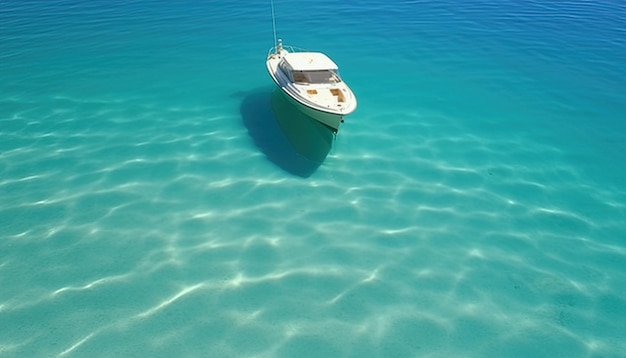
x=331 y=120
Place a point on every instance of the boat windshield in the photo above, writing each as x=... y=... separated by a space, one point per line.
x=323 y=76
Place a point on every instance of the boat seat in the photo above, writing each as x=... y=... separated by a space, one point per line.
x=337 y=92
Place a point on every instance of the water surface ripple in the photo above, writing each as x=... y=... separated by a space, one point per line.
x=158 y=200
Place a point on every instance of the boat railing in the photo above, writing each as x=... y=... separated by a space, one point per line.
x=289 y=48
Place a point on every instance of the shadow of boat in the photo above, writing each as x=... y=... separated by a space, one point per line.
x=295 y=142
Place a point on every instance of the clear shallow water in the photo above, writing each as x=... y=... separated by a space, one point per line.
x=157 y=200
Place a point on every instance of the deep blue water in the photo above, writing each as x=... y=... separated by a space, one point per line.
x=159 y=198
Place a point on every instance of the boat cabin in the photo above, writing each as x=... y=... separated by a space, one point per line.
x=309 y=67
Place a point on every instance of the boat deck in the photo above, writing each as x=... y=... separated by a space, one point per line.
x=330 y=97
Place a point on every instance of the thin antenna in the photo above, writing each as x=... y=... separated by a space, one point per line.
x=273 y=22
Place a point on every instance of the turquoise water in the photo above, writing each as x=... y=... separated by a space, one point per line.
x=159 y=199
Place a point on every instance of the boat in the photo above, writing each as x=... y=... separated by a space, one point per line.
x=311 y=81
